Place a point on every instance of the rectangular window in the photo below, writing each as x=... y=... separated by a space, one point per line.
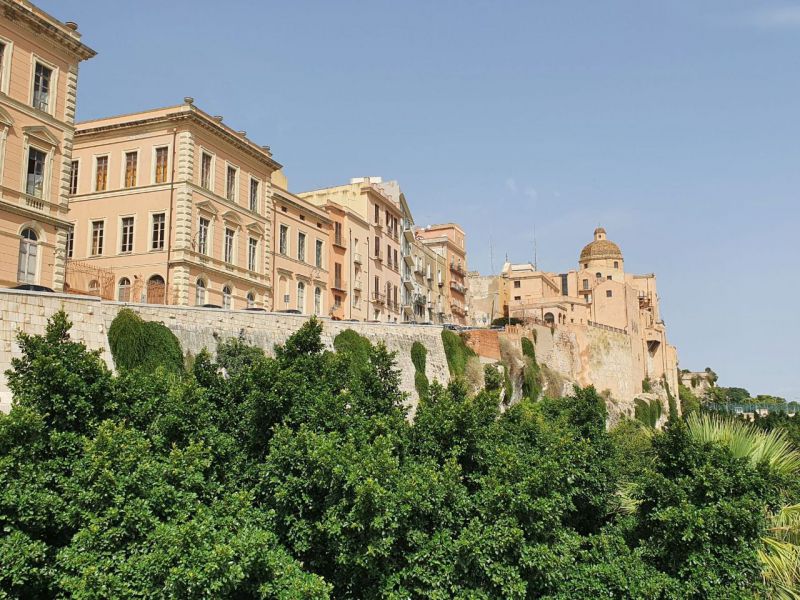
x=377 y=215
x=230 y=184
x=202 y=236
x=586 y=284
x=396 y=263
x=337 y=276
x=283 y=240
x=229 y=237
x=389 y=254
x=101 y=174
x=126 y=237
x=609 y=294
x=41 y=87
x=252 y=253
x=34 y=185
x=337 y=236
x=73 y=177
x=517 y=284
x=98 y=231
x=159 y=227
x=377 y=285
x=70 y=241
x=205 y=170
x=131 y=160
x=2 y=58
x=254 y=194
x=162 y=160
x=377 y=247
x=564 y=285
x=318 y=254
x=301 y=247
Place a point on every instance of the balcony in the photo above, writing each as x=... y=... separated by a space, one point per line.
x=419 y=269
x=339 y=241
x=378 y=257
x=408 y=233
x=420 y=299
x=457 y=268
x=356 y=259
x=457 y=287
x=357 y=285
x=457 y=308
x=408 y=282
x=409 y=259
x=378 y=298
x=338 y=285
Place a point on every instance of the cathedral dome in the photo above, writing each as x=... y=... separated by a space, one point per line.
x=600 y=248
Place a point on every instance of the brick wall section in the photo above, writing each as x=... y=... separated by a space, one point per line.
x=485 y=343
x=199 y=328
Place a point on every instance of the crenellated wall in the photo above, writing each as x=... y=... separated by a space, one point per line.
x=199 y=328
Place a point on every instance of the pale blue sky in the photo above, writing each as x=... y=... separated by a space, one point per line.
x=673 y=124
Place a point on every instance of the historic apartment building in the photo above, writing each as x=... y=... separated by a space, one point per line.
x=302 y=253
x=39 y=58
x=449 y=241
x=599 y=293
x=171 y=206
x=374 y=260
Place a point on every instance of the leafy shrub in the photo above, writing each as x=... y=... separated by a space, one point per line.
x=139 y=344
x=647 y=412
x=457 y=353
x=421 y=384
x=503 y=321
x=532 y=382
x=647 y=386
x=689 y=401
x=492 y=379
x=418 y=357
x=473 y=374
x=352 y=342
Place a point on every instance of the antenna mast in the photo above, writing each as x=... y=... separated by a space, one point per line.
x=491 y=255
x=535 y=261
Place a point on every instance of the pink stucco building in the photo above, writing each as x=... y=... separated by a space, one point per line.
x=39 y=58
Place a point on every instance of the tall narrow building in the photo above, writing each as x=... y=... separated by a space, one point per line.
x=39 y=58
x=449 y=241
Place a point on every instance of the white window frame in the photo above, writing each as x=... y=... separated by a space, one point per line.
x=153 y=164
x=209 y=235
x=152 y=221
x=235 y=199
x=122 y=183
x=90 y=237
x=53 y=100
x=5 y=75
x=321 y=244
x=258 y=194
x=302 y=259
x=228 y=296
x=46 y=173
x=133 y=234
x=71 y=226
x=232 y=260
x=211 y=174
x=95 y=158
x=204 y=287
x=77 y=176
x=252 y=250
x=288 y=239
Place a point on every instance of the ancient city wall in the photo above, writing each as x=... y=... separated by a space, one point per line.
x=199 y=328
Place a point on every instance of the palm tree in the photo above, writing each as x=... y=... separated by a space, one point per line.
x=780 y=554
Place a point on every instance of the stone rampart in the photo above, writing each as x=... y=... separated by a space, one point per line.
x=199 y=328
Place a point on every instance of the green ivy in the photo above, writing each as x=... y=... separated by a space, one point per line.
x=139 y=344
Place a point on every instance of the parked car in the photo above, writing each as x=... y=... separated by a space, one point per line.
x=451 y=327
x=256 y=309
x=291 y=311
x=211 y=306
x=32 y=287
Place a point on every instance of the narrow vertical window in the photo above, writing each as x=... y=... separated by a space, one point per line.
x=205 y=170
x=73 y=177
x=284 y=240
x=252 y=253
x=337 y=277
x=162 y=160
x=2 y=58
x=377 y=247
x=229 y=237
x=28 y=256
x=202 y=236
x=126 y=237
x=200 y=292
x=254 y=194
x=317 y=301
x=98 y=232
x=101 y=173
x=230 y=184
x=41 y=87
x=251 y=300
x=124 y=290
x=227 y=297
x=159 y=227
x=34 y=184
x=337 y=227
x=377 y=215
x=70 y=241
x=301 y=297
x=318 y=254
x=301 y=247
x=131 y=160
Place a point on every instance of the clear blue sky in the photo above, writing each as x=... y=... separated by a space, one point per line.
x=673 y=124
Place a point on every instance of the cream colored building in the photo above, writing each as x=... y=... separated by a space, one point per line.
x=599 y=293
x=346 y=277
x=302 y=254
x=39 y=58
x=171 y=206
x=374 y=260
x=449 y=241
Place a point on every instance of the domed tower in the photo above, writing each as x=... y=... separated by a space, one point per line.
x=602 y=257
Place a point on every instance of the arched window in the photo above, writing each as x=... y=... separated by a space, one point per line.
x=227 y=302
x=94 y=287
x=156 y=290
x=317 y=301
x=284 y=288
x=28 y=256
x=199 y=292
x=549 y=318
x=251 y=299
x=124 y=290
x=301 y=297
x=616 y=264
x=598 y=275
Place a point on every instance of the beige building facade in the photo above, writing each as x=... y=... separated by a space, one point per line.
x=39 y=58
x=449 y=241
x=375 y=260
x=302 y=255
x=598 y=294
x=171 y=206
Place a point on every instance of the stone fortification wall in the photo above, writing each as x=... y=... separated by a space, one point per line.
x=199 y=328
